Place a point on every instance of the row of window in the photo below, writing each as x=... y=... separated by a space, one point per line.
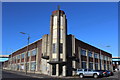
x=21 y=67
x=84 y=65
x=96 y=55
x=32 y=53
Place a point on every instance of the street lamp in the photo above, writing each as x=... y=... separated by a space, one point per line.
x=28 y=38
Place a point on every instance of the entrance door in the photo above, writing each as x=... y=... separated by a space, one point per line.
x=54 y=69
x=60 y=70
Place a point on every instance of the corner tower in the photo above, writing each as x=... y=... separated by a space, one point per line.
x=58 y=33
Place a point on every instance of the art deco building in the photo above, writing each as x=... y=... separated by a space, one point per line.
x=58 y=53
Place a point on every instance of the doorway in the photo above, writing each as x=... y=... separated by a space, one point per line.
x=53 y=69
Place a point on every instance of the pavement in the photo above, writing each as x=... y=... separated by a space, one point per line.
x=15 y=75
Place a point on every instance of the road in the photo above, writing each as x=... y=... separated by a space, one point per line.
x=7 y=75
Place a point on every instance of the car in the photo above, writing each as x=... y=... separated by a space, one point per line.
x=104 y=72
x=88 y=72
x=110 y=73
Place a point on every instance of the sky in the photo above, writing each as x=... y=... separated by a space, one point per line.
x=95 y=23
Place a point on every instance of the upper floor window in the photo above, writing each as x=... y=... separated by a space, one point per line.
x=61 y=21
x=61 y=33
x=101 y=57
x=61 y=47
x=23 y=55
x=105 y=57
x=55 y=21
x=96 y=55
x=18 y=57
x=90 y=54
x=83 y=52
x=54 y=47
x=34 y=52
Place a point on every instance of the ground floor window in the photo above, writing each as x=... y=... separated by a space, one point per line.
x=101 y=65
x=22 y=66
x=33 y=66
x=104 y=66
x=83 y=64
x=96 y=66
x=108 y=67
x=18 y=67
x=91 y=65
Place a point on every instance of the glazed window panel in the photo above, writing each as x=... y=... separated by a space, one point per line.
x=104 y=66
x=101 y=57
x=54 y=47
x=54 y=33
x=96 y=66
x=61 y=21
x=33 y=66
x=90 y=65
x=83 y=52
x=90 y=54
x=18 y=57
x=96 y=55
x=23 y=55
x=34 y=52
x=61 y=47
x=84 y=65
x=61 y=33
x=55 y=21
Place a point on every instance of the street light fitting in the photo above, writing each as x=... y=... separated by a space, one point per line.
x=22 y=33
x=108 y=46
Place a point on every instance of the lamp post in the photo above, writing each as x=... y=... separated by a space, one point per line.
x=28 y=38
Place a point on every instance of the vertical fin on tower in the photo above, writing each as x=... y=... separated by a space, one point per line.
x=58 y=7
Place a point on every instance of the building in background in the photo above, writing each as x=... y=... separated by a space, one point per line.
x=116 y=63
x=58 y=53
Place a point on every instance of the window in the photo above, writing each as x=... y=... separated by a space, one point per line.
x=83 y=52
x=96 y=55
x=108 y=66
x=104 y=66
x=84 y=65
x=23 y=55
x=61 y=21
x=101 y=57
x=34 y=52
x=54 y=33
x=101 y=64
x=33 y=65
x=90 y=65
x=61 y=47
x=104 y=57
x=54 y=47
x=96 y=66
x=18 y=57
x=90 y=54
x=55 y=21
x=61 y=33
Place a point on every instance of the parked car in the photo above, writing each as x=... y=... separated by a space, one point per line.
x=110 y=73
x=88 y=72
x=104 y=72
